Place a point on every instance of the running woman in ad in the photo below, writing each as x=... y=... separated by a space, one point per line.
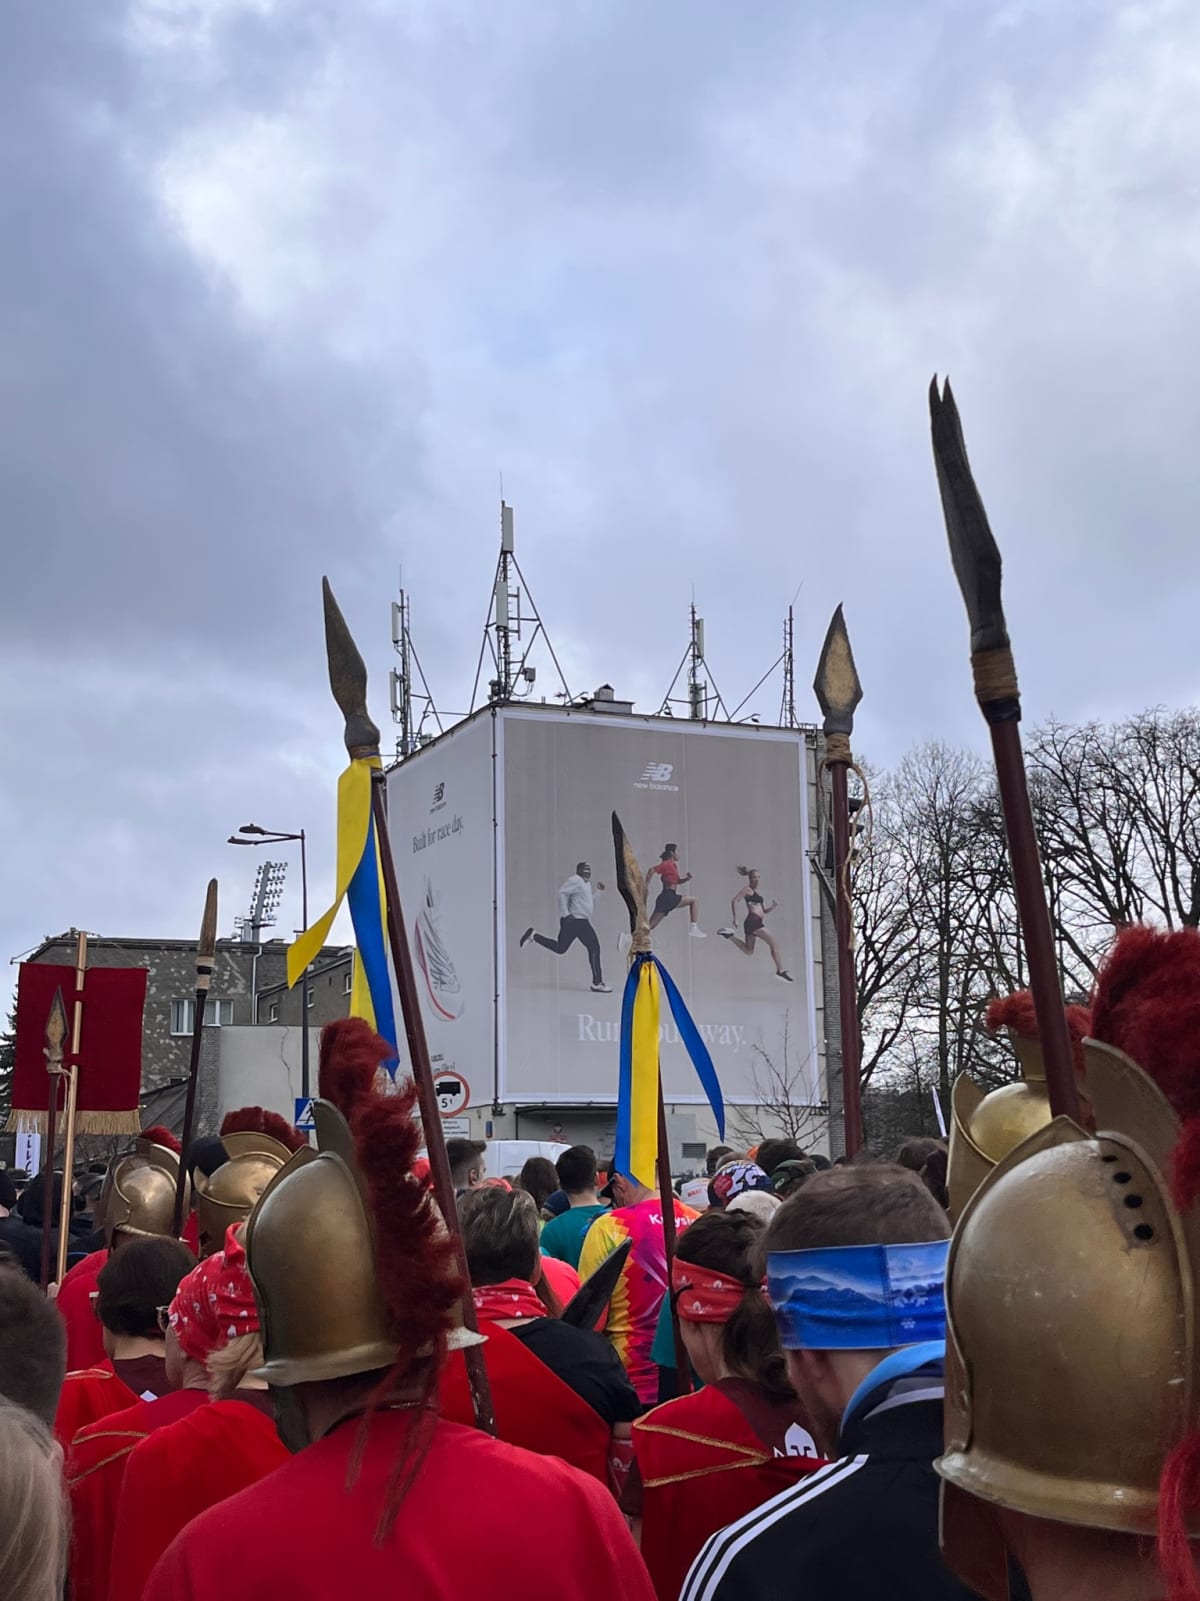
x=576 y=903
x=667 y=868
x=754 y=927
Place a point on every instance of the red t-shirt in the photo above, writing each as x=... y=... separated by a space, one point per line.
x=180 y=1472
x=311 y=1529
x=668 y=871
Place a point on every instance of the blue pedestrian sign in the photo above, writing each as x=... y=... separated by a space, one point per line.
x=304 y=1116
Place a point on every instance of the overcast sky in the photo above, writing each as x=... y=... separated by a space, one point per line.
x=286 y=287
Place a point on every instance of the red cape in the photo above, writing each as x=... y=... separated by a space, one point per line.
x=95 y=1468
x=480 y=1518
x=180 y=1472
x=85 y=1336
x=534 y=1408
x=88 y=1396
x=702 y=1467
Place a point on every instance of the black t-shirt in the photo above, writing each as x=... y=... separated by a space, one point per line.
x=586 y=1362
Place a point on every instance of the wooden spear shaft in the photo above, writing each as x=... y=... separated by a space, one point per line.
x=847 y=978
x=64 y=1214
x=431 y=1117
x=666 y=1196
x=206 y=957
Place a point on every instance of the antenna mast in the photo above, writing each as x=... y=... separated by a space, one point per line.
x=409 y=695
x=703 y=702
x=510 y=612
x=787 y=707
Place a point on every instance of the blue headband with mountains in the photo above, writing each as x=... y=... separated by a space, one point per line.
x=859 y=1297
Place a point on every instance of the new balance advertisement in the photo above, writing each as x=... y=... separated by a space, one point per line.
x=440 y=816
x=718 y=817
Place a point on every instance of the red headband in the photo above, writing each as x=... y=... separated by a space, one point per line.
x=215 y=1302
x=703 y=1296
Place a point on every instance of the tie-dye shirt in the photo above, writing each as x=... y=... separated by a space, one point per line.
x=638 y=1297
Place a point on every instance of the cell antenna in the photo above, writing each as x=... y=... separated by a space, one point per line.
x=512 y=629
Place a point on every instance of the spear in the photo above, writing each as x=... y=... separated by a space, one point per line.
x=348 y=681
x=206 y=958
x=838 y=692
x=56 y=1033
x=72 y=1076
x=977 y=567
x=632 y=886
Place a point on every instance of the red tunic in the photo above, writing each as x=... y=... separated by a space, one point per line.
x=180 y=1472
x=702 y=1466
x=88 y=1396
x=96 y=1465
x=534 y=1408
x=85 y=1336
x=480 y=1518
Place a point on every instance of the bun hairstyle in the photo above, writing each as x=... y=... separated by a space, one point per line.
x=745 y=872
x=668 y=850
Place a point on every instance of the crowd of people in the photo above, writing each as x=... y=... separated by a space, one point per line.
x=816 y=1390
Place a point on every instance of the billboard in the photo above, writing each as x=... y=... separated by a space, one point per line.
x=441 y=814
x=718 y=815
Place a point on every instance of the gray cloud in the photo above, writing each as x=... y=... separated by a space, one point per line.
x=287 y=287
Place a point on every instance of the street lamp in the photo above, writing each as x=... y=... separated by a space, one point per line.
x=278 y=836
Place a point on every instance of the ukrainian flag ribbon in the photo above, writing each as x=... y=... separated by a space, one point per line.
x=637 y=1098
x=359 y=882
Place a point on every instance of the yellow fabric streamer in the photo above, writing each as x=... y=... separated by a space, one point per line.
x=353 y=821
x=643 y=1111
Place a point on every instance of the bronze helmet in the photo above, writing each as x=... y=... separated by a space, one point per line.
x=230 y=1194
x=138 y=1197
x=1072 y=1302
x=310 y=1250
x=985 y=1127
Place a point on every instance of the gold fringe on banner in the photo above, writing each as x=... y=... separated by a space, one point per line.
x=96 y=1123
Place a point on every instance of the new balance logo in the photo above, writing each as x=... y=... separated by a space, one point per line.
x=657 y=775
x=439 y=797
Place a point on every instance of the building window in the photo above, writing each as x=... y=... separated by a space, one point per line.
x=311 y=998
x=273 y=1012
x=347 y=983
x=217 y=1014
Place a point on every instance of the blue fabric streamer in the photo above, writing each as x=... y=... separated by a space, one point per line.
x=694 y=1046
x=366 y=913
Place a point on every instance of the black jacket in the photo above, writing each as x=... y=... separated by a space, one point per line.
x=865 y=1528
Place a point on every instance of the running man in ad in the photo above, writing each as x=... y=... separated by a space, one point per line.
x=576 y=903
x=755 y=925
x=667 y=868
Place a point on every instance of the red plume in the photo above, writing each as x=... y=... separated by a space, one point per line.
x=1147 y=1004
x=257 y=1120
x=1016 y=1012
x=158 y=1135
x=351 y=1054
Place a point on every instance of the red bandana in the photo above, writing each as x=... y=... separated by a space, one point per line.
x=215 y=1302
x=515 y=1298
x=703 y=1296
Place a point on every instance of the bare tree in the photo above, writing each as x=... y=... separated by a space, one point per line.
x=782 y=1086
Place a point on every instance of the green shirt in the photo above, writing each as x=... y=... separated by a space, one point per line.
x=563 y=1236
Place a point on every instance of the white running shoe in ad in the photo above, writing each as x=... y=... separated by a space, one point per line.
x=726 y=933
x=441 y=981
x=697 y=932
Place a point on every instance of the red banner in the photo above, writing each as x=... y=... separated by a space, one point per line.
x=110 y=1046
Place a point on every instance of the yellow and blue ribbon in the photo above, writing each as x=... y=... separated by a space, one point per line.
x=637 y=1096
x=359 y=882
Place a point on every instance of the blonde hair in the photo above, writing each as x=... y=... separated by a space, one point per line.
x=33 y=1508
x=229 y=1365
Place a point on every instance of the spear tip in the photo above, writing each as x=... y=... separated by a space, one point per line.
x=206 y=948
x=348 y=678
x=56 y=1023
x=973 y=549
x=837 y=685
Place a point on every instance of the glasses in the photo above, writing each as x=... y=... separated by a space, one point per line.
x=163 y=1314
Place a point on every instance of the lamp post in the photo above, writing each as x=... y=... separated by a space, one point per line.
x=278 y=836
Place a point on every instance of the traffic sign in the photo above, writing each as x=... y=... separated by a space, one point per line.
x=453 y=1093
x=303 y=1119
